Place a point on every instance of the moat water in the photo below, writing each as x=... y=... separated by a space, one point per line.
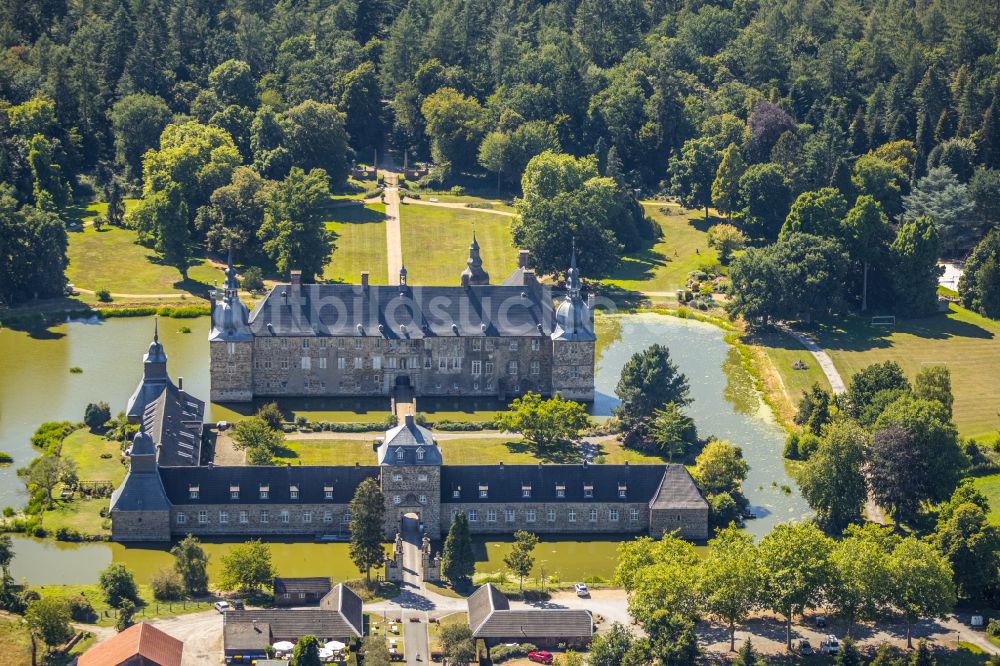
x=36 y=385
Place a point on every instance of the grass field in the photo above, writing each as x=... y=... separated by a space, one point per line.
x=436 y=243
x=665 y=265
x=782 y=381
x=990 y=486
x=447 y=197
x=111 y=259
x=360 y=241
x=326 y=452
x=85 y=449
x=147 y=608
x=966 y=343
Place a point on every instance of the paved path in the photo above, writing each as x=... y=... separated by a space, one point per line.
x=456 y=204
x=393 y=243
x=824 y=360
x=493 y=434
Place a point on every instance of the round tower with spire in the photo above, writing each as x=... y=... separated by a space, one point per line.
x=230 y=343
x=573 y=341
x=474 y=273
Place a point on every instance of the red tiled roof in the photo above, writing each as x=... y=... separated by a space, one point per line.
x=138 y=640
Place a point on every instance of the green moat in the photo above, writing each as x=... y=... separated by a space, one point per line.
x=36 y=386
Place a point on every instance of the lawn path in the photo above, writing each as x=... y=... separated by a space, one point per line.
x=455 y=204
x=393 y=244
x=824 y=360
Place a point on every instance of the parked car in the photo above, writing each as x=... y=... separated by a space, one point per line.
x=222 y=606
x=830 y=645
x=540 y=657
x=581 y=590
x=805 y=648
x=820 y=621
x=237 y=604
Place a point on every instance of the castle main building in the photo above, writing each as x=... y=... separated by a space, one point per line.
x=474 y=339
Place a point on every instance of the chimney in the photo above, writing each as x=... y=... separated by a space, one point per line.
x=296 y=279
x=501 y=465
x=522 y=258
x=364 y=279
x=180 y=384
x=529 y=276
x=408 y=420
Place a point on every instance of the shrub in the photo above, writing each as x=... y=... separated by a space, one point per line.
x=80 y=609
x=184 y=329
x=271 y=413
x=6 y=458
x=103 y=295
x=75 y=370
x=8 y=512
x=96 y=415
x=808 y=443
x=253 y=279
x=792 y=446
x=504 y=652
x=458 y=190
x=993 y=628
x=167 y=585
x=68 y=534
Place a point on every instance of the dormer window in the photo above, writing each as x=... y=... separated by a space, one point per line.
x=484 y=491
x=194 y=492
x=456 y=492
x=420 y=453
x=622 y=491
x=560 y=490
x=234 y=492
x=525 y=490
x=293 y=492
x=265 y=491
x=400 y=454
x=588 y=490
x=328 y=491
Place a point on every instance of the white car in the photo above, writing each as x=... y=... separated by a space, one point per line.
x=830 y=645
x=222 y=606
x=581 y=590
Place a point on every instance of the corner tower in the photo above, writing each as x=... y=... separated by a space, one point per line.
x=230 y=344
x=573 y=342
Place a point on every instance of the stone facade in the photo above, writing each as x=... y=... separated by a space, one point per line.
x=691 y=523
x=553 y=517
x=272 y=520
x=232 y=375
x=137 y=526
x=415 y=490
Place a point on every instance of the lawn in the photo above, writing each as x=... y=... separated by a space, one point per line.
x=326 y=452
x=82 y=515
x=664 y=266
x=112 y=259
x=447 y=197
x=782 y=381
x=85 y=449
x=990 y=486
x=360 y=243
x=964 y=342
x=147 y=608
x=436 y=243
x=83 y=214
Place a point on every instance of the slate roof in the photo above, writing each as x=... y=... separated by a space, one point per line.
x=214 y=483
x=174 y=420
x=140 y=640
x=338 y=619
x=490 y=617
x=505 y=483
x=381 y=311
x=677 y=491
x=140 y=491
x=315 y=585
x=409 y=438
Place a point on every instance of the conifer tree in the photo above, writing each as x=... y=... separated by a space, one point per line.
x=726 y=186
x=367 y=509
x=458 y=562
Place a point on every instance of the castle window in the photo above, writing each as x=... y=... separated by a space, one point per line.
x=376 y=343
x=512 y=367
x=571 y=516
x=412 y=362
x=231 y=348
x=593 y=515
x=511 y=515
x=525 y=490
x=328 y=491
x=265 y=343
x=265 y=516
x=551 y=515
x=477 y=344
x=293 y=492
x=397 y=477
x=244 y=517
x=284 y=343
x=323 y=342
x=489 y=345
x=284 y=516
x=194 y=492
x=181 y=518
x=477 y=367
x=202 y=517
x=284 y=364
x=359 y=363
x=267 y=364
x=536 y=344
x=421 y=477
x=442 y=364
x=376 y=362
x=358 y=343
x=307 y=516
x=422 y=499
x=428 y=362
x=560 y=490
x=327 y=516
x=322 y=362
x=574 y=372
x=420 y=454
x=491 y=516
x=613 y=514
x=529 y=515
x=513 y=345
x=633 y=515
x=535 y=367
x=400 y=453
x=484 y=491
x=456 y=363
x=588 y=490
x=341 y=342
x=341 y=363
x=265 y=491
x=306 y=363
x=392 y=362
x=397 y=500
x=234 y=492
x=622 y=491
x=305 y=343
x=345 y=517
x=473 y=516
x=489 y=368
x=224 y=517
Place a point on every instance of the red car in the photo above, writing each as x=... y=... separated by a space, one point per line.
x=540 y=657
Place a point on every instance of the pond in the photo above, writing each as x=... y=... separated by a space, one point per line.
x=36 y=386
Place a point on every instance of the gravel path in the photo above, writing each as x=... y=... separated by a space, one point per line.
x=393 y=244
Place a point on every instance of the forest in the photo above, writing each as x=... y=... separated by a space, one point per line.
x=856 y=140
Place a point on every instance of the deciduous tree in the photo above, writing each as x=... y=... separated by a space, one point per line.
x=543 y=422
x=118 y=585
x=720 y=468
x=733 y=579
x=294 y=233
x=247 y=567
x=921 y=582
x=831 y=479
x=520 y=560
x=191 y=563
